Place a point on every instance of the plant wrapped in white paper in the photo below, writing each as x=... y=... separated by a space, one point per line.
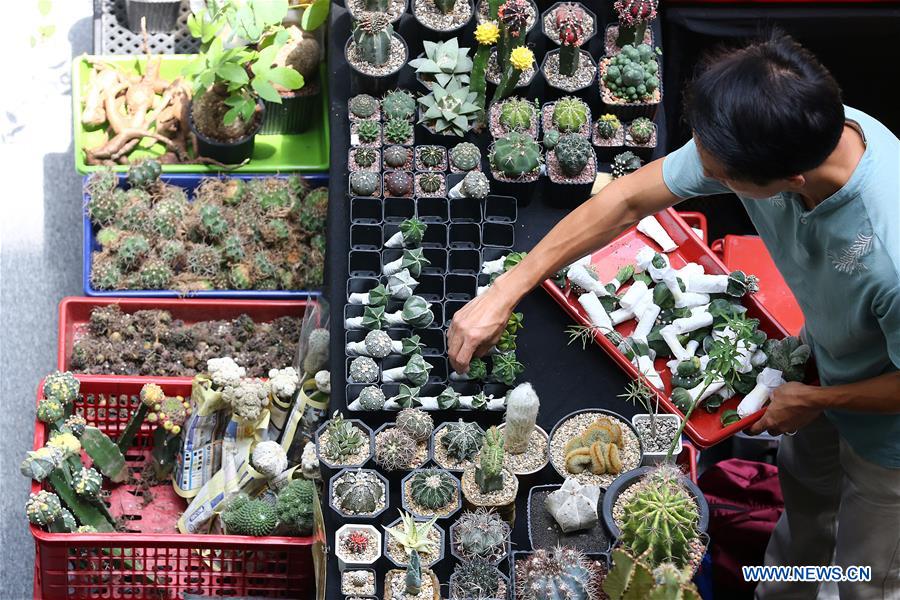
x=401 y=285
x=415 y=371
x=650 y=227
x=377 y=296
x=766 y=382
x=416 y=312
x=411 y=260
x=410 y=235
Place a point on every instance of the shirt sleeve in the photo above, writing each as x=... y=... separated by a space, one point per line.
x=888 y=314
x=683 y=174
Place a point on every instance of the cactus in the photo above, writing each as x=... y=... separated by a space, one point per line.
x=87 y=483
x=364 y=157
x=660 y=518
x=373 y=318
x=43 y=508
x=249 y=517
x=104 y=453
x=132 y=251
x=61 y=386
x=641 y=130
x=634 y=578
x=233 y=248
x=358 y=492
x=363 y=370
x=378 y=343
x=344 y=438
x=505 y=368
x=398 y=184
x=573 y=152
x=363 y=183
x=430 y=183
x=144 y=174
x=516 y=114
x=431 y=156
x=75 y=425
x=551 y=139
x=240 y=276
x=172 y=252
x=448 y=399
x=50 y=411
x=372 y=34
x=101 y=182
x=486 y=34
x=314 y=212
x=516 y=155
x=415 y=422
x=155 y=274
x=607 y=126
x=561 y=573
x=481 y=534
x=135 y=211
x=105 y=205
x=396 y=156
x=570 y=114
x=371 y=398
x=520 y=59
x=316 y=351
x=634 y=16
x=395 y=449
x=204 y=260
x=570 y=20
x=450 y=109
x=476 y=185
x=363 y=106
x=632 y=75
x=407 y=396
x=432 y=489
x=512 y=17
x=489 y=473
x=368 y=131
x=412 y=581
x=167 y=215
x=462 y=440
x=398 y=131
x=465 y=156
x=412 y=231
x=522 y=406
x=356 y=542
x=294 y=506
x=40 y=463
x=475 y=578
x=412 y=260
x=398 y=104
x=624 y=164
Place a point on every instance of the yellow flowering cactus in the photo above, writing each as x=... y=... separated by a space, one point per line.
x=487 y=33
x=521 y=58
x=66 y=442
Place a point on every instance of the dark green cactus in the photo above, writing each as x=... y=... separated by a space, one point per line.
x=396 y=156
x=573 y=153
x=506 y=368
x=475 y=578
x=368 y=131
x=462 y=440
x=641 y=130
x=607 y=126
x=398 y=104
x=430 y=183
x=363 y=106
x=104 y=206
x=294 y=506
x=481 y=534
x=465 y=156
x=363 y=183
x=431 y=156
x=432 y=489
x=632 y=75
x=489 y=472
x=166 y=216
x=516 y=155
x=372 y=33
x=625 y=163
x=398 y=131
x=132 y=251
x=364 y=157
x=358 y=492
x=476 y=185
x=250 y=517
x=143 y=174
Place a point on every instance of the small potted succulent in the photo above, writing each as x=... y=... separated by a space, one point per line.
x=562 y=567
x=567 y=515
x=632 y=27
x=474 y=184
x=480 y=534
x=441 y=63
x=431 y=492
x=609 y=136
x=490 y=483
x=375 y=54
x=465 y=157
x=364 y=106
x=398 y=184
x=571 y=166
x=515 y=161
x=513 y=114
x=630 y=83
x=625 y=163
x=641 y=137
x=397 y=158
x=405 y=444
x=477 y=577
x=359 y=493
x=517 y=71
x=357 y=546
x=365 y=183
x=448 y=111
x=514 y=7
x=365 y=132
x=158 y=16
x=457 y=444
x=412 y=583
x=393 y=8
x=364 y=158
x=407 y=534
x=397 y=132
x=430 y=185
x=398 y=104
x=524 y=441
x=569 y=69
x=358 y=582
x=440 y=19
x=431 y=158
x=343 y=442
x=567 y=115
x=655 y=430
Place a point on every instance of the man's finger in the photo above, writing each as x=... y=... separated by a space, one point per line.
x=460 y=361
x=760 y=426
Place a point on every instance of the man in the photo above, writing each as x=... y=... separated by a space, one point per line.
x=821 y=183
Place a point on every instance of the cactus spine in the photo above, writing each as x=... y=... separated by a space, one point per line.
x=573 y=152
x=569 y=22
x=432 y=488
x=489 y=472
x=372 y=35
x=522 y=406
x=561 y=573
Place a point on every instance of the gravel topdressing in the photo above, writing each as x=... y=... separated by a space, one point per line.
x=629 y=451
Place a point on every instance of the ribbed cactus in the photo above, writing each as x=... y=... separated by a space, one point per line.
x=489 y=472
x=368 y=131
x=433 y=489
x=364 y=157
x=431 y=156
x=569 y=22
x=570 y=114
x=482 y=534
x=363 y=183
x=398 y=104
x=607 y=126
x=395 y=450
x=641 y=130
x=465 y=156
x=430 y=183
x=358 y=492
x=661 y=518
x=625 y=163
x=475 y=185
x=462 y=440
x=363 y=106
x=416 y=422
x=561 y=573
x=573 y=152
x=522 y=406
x=633 y=578
x=515 y=155
x=475 y=578
x=516 y=114
x=397 y=130
x=395 y=156
x=372 y=33
x=445 y=6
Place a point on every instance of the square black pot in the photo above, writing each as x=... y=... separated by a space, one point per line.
x=366 y=210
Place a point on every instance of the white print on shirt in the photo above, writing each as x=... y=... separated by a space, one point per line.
x=849 y=261
x=776 y=200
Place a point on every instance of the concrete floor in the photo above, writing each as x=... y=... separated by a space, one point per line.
x=40 y=243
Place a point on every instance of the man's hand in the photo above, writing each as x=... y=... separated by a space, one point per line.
x=791 y=406
x=477 y=326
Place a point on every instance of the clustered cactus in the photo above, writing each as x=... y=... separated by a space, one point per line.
x=561 y=573
x=489 y=472
x=153 y=237
x=294 y=507
x=597 y=448
x=632 y=75
x=432 y=489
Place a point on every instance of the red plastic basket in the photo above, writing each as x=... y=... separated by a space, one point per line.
x=74 y=313
x=703 y=428
x=152 y=560
x=687 y=459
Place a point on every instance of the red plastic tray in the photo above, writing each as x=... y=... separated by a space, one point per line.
x=687 y=459
x=162 y=563
x=74 y=313
x=696 y=220
x=703 y=428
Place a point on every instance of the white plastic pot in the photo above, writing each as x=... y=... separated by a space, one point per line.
x=655 y=458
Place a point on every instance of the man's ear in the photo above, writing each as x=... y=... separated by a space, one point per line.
x=796 y=181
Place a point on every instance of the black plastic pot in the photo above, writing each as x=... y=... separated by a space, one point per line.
x=566 y=194
x=295 y=114
x=551 y=92
x=375 y=85
x=435 y=35
x=607 y=153
x=523 y=192
x=229 y=153
x=161 y=15
x=585 y=540
x=644 y=151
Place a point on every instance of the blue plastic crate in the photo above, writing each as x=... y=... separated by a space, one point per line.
x=188 y=182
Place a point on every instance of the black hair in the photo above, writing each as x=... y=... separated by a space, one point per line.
x=766 y=111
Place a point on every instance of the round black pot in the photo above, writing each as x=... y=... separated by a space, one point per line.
x=229 y=153
x=294 y=115
x=161 y=15
x=375 y=85
x=436 y=35
x=627 y=423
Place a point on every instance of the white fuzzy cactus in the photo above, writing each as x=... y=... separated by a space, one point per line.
x=522 y=406
x=574 y=506
x=269 y=458
x=224 y=371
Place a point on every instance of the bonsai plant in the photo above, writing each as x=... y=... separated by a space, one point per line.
x=442 y=17
x=630 y=83
x=431 y=492
x=357 y=546
x=490 y=483
x=457 y=444
x=414 y=583
x=634 y=17
x=407 y=535
x=566 y=115
x=343 y=443
x=513 y=114
x=525 y=442
x=442 y=62
x=572 y=163
x=480 y=534
x=569 y=69
x=359 y=493
x=477 y=578
x=608 y=136
x=515 y=160
x=448 y=110
x=375 y=53
x=640 y=137
x=594 y=447
x=546 y=573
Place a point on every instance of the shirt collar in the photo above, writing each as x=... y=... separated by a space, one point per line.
x=850 y=189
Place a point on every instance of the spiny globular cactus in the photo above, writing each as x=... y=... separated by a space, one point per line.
x=104 y=205
x=481 y=534
x=607 y=126
x=132 y=251
x=395 y=449
x=364 y=157
x=166 y=216
x=105 y=274
x=249 y=517
x=432 y=489
x=561 y=573
x=476 y=185
x=625 y=163
x=465 y=156
x=661 y=518
x=431 y=156
x=398 y=104
x=489 y=472
x=135 y=210
x=462 y=440
x=475 y=578
x=203 y=260
x=635 y=578
x=143 y=174
x=363 y=106
x=516 y=155
x=368 y=131
x=570 y=24
x=573 y=152
x=358 y=492
x=155 y=274
x=294 y=506
x=395 y=156
x=372 y=34
x=641 y=130
x=570 y=114
x=516 y=114
x=430 y=183
x=415 y=422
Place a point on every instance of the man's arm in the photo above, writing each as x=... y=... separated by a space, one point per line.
x=621 y=204
x=793 y=405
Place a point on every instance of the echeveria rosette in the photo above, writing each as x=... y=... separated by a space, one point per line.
x=520 y=59
x=486 y=34
x=449 y=110
x=412 y=260
x=506 y=368
x=444 y=62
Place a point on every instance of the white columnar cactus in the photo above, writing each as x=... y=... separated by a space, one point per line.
x=522 y=406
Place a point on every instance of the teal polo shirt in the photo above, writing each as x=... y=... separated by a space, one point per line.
x=842 y=262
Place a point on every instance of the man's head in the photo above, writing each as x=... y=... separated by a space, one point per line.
x=764 y=115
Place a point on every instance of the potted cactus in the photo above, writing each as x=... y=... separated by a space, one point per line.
x=457 y=444
x=448 y=111
x=343 y=442
x=490 y=483
x=375 y=54
x=407 y=535
x=397 y=131
x=364 y=106
x=441 y=63
x=357 y=546
x=561 y=570
x=624 y=163
x=398 y=104
x=515 y=161
x=632 y=27
x=513 y=114
x=358 y=493
x=404 y=445
x=567 y=515
x=431 y=158
x=474 y=184
x=364 y=159
x=364 y=184
x=477 y=578
x=365 y=132
x=630 y=82
x=480 y=534
x=566 y=115
x=572 y=166
x=430 y=185
x=358 y=582
x=641 y=137
x=484 y=8
x=517 y=71
x=525 y=442
x=393 y=8
x=412 y=583
x=569 y=69
x=431 y=492
x=664 y=580
x=655 y=430
x=397 y=158
x=398 y=184
x=608 y=136
x=465 y=157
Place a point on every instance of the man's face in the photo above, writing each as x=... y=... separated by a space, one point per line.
x=713 y=169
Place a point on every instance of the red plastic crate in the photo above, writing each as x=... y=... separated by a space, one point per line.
x=161 y=563
x=687 y=459
x=696 y=220
x=703 y=428
x=74 y=313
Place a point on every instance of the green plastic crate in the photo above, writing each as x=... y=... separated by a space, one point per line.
x=306 y=152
